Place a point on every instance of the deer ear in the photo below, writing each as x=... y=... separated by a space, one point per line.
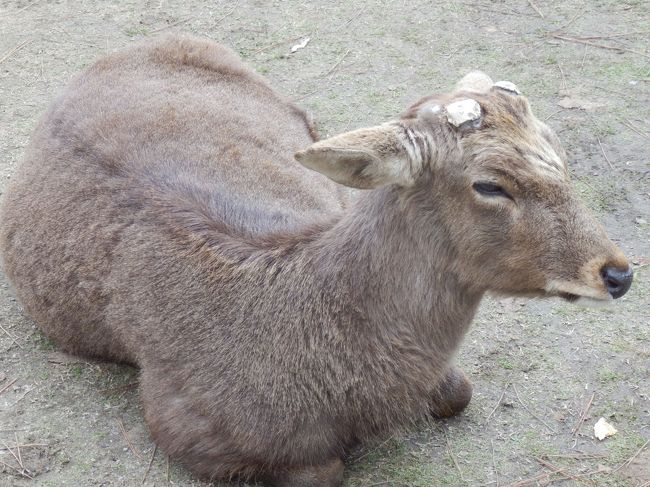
x=365 y=158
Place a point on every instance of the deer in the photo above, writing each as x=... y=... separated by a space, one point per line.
x=175 y=213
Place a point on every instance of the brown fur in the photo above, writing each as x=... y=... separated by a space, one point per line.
x=160 y=219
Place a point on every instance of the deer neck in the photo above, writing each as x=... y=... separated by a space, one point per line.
x=397 y=270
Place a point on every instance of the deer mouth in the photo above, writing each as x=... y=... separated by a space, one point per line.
x=578 y=293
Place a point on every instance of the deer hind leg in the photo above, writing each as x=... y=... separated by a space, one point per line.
x=329 y=474
x=452 y=394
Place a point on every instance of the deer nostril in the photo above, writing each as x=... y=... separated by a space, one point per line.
x=617 y=281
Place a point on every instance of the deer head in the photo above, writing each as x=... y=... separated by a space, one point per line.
x=495 y=180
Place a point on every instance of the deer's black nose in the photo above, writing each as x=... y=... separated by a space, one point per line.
x=617 y=281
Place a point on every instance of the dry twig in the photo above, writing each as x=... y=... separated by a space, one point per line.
x=279 y=43
x=8 y=386
x=604 y=155
x=561 y=471
x=20 y=457
x=535 y=8
x=612 y=36
x=23 y=471
x=530 y=412
x=631 y=459
x=338 y=63
x=27 y=445
x=14 y=50
x=13 y=338
x=125 y=387
x=494 y=464
x=128 y=441
x=498 y=402
x=564 y=86
x=20 y=472
x=453 y=458
x=355 y=460
x=578 y=40
x=584 y=58
x=173 y=24
x=155 y=448
x=577 y=456
x=573 y=19
x=221 y=19
x=21 y=8
x=19 y=399
x=553 y=114
x=629 y=125
x=529 y=481
x=583 y=415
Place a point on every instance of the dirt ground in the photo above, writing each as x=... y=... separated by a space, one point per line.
x=538 y=366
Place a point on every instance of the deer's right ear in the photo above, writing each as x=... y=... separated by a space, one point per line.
x=366 y=158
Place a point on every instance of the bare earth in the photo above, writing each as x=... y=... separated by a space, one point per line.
x=536 y=365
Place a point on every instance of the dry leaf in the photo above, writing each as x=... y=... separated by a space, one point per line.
x=602 y=429
x=300 y=45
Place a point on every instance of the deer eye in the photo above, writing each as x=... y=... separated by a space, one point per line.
x=490 y=189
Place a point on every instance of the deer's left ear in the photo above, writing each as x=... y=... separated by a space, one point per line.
x=365 y=158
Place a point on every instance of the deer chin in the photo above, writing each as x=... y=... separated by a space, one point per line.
x=579 y=294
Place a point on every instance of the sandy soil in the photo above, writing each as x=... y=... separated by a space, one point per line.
x=536 y=364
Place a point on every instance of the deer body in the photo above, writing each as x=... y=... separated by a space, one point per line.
x=160 y=219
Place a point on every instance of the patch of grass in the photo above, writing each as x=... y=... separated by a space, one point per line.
x=607 y=375
x=505 y=363
x=99 y=435
x=531 y=444
x=623 y=446
x=136 y=31
x=77 y=370
x=43 y=343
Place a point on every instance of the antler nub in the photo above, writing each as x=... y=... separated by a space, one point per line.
x=462 y=111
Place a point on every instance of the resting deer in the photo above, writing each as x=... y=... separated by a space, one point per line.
x=160 y=219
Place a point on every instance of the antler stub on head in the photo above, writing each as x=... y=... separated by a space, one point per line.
x=462 y=111
x=508 y=86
